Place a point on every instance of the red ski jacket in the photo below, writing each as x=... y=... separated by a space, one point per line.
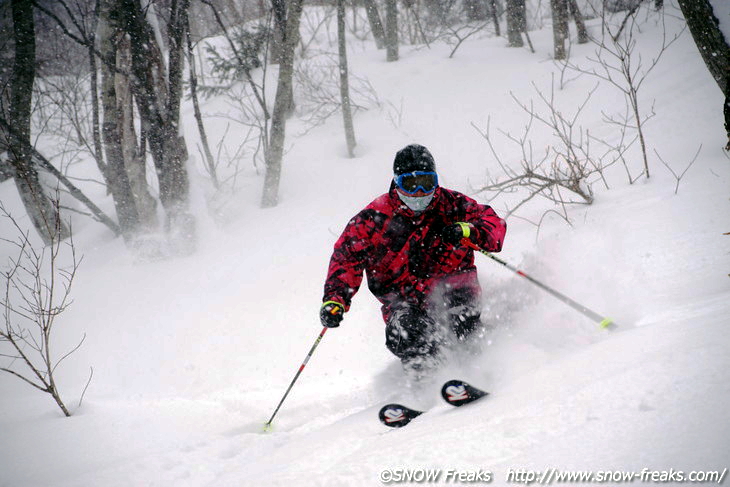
x=404 y=255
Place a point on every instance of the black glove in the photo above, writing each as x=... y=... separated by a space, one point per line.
x=331 y=314
x=454 y=233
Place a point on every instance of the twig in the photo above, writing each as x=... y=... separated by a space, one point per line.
x=83 y=393
x=680 y=176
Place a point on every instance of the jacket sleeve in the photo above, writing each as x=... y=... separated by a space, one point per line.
x=490 y=228
x=345 y=272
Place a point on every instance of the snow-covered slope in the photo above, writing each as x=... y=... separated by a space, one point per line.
x=192 y=355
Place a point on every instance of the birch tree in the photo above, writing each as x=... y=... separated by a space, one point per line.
x=516 y=22
x=559 y=9
x=282 y=103
x=376 y=25
x=157 y=92
x=43 y=214
x=115 y=84
x=391 y=30
x=344 y=81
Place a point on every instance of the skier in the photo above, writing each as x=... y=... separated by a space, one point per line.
x=409 y=242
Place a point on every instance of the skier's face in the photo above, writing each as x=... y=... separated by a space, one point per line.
x=416 y=189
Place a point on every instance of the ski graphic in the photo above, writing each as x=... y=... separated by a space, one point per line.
x=397 y=415
x=455 y=392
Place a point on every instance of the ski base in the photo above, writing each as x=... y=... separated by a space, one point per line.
x=455 y=392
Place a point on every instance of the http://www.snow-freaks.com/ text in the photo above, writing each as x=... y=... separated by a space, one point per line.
x=548 y=476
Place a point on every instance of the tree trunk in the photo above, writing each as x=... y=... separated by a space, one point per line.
x=579 y=23
x=210 y=162
x=176 y=33
x=476 y=10
x=726 y=113
x=39 y=161
x=180 y=224
x=41 y=210
x=278 y=8
x=495 y=16
x=159 y=114
x=713 y=46
x=282 y=102
x=279 y=41
x=112 y=126
x=376 y=26
x=438 y=10
x=135 y=164
x=344 y=82
x=391 y=30
x=559 y=10
x=516 y=22
x=94 y=88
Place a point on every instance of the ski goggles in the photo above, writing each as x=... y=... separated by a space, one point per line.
x=413 y=182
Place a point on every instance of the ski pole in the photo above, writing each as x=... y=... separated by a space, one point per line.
x=267 y=425
x=603 y=322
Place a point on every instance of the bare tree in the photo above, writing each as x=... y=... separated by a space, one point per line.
x=344 y=80
x=455 y=35
x=516 y=22
x=43 y=214
x=559 y=9
x=494 y=14
x=38 y=160
x=133 y=71
x=193 y=80
x=124 y=171
x=391 y=30
x=157 y=93
x=563 y=173
x=476 y=10
x=616 y=61
x=318 y=88
x=82 y=17
x=376 y=25
x=277 y=43
x=120 y=145
x=579 y=23
x=36 y=291
x=282 y=103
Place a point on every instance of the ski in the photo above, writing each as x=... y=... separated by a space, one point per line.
x=455 y=392
x=397 y=415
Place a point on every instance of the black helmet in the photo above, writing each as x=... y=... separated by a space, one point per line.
x=412 y=158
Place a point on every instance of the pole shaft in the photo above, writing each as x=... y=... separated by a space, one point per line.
x=301 y=368
x=602 y=321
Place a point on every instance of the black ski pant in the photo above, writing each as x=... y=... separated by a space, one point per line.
x=418 y=334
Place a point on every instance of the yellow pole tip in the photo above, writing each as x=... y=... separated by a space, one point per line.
x=268 y=427
x=608 y=324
